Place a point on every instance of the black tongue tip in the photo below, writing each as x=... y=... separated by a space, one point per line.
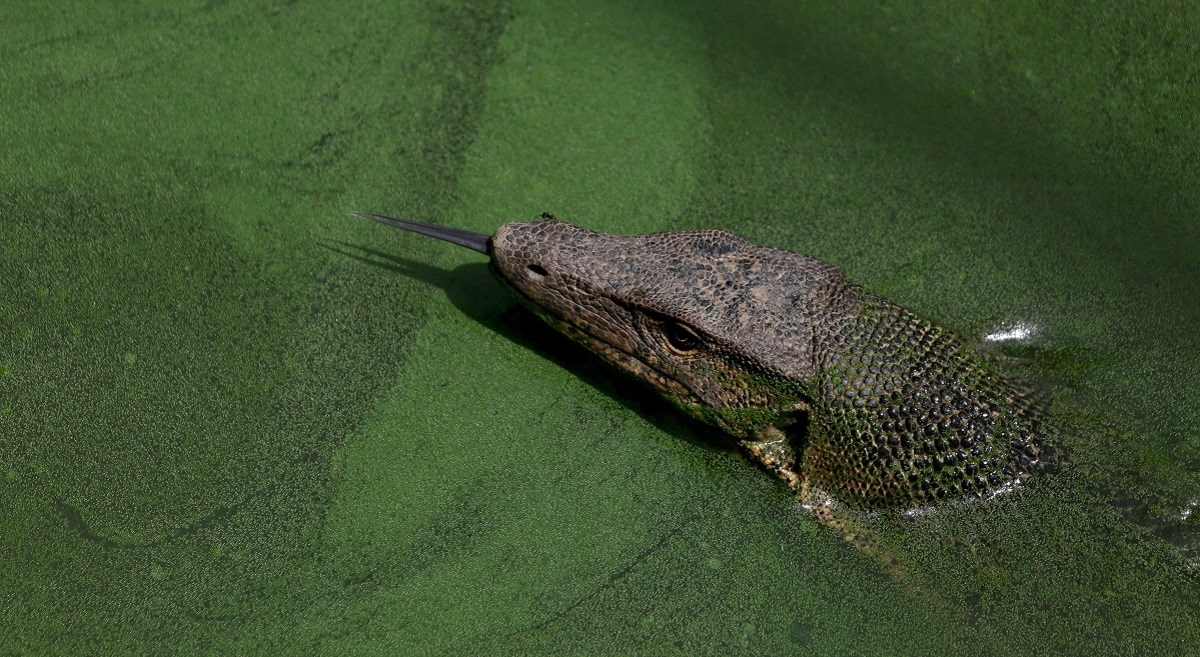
x=474 y=241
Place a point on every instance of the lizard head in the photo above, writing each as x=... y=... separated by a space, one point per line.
x=719 y=326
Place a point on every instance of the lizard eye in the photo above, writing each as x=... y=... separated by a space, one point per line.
x=681 y=338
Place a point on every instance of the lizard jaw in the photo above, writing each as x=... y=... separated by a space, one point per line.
x=622 y=359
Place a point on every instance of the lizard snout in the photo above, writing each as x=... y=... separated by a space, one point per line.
x=525 y=254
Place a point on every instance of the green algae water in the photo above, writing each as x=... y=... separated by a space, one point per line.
x=234 y=420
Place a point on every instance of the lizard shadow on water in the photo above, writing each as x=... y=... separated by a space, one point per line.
x=466 y=285
x=888 y=538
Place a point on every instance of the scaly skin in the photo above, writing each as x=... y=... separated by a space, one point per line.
x=897 y=412
x=846 y=396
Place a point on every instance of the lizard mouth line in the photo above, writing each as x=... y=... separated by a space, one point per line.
x=626 y=361
x=622 y=359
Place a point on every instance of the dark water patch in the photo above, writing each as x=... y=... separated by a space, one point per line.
x=936 y=183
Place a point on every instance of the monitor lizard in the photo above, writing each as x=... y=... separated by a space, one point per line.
x=849 y=398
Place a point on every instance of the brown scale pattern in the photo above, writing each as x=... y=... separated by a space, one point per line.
x=901 y=411
x=909 y=414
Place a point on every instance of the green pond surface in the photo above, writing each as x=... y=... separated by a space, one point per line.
x=235 y=420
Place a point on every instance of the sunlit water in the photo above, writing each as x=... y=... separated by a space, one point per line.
x=222 y=430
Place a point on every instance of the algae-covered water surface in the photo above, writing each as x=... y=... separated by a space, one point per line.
x=235 y=420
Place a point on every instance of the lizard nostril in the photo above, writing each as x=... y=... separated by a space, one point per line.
x=536 y=271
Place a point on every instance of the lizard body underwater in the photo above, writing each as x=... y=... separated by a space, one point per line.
x=846 y=396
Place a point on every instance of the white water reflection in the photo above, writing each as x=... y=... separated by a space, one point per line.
x=1016 y=332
